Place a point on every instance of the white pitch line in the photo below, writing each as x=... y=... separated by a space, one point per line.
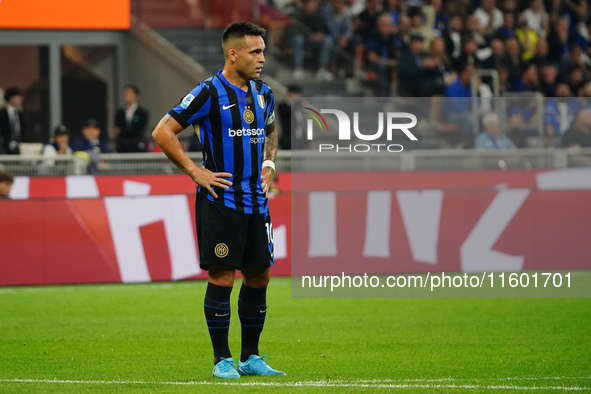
x=450 y=379
x=93 y=286
x=111 y=286
x=320 y=383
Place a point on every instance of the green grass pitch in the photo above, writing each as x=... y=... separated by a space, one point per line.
x=153 y=338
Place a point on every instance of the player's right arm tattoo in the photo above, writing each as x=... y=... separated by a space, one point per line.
x=271 y=142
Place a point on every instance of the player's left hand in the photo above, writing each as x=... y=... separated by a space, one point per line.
x=266 y=178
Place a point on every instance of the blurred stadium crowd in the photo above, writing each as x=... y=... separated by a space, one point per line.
x=455 y=48
x=532 y=56
x=534 y=45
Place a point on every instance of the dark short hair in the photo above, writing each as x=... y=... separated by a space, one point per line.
x=6 y=177
x=414 y=11
x=463 y=66
x=135 y=89
x=91 y=123
x=467 y=38
x=416 y=37
x=60 y=130
x=11 y=92
x=526 y=65
x=241 y=29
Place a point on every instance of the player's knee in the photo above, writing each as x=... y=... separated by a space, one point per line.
x=256 y=279
x=222 y=276
x=257 y=283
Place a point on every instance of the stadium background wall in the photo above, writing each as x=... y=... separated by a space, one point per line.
x=85 y=229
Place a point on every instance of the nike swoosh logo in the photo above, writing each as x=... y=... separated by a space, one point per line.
x=263 y=311
x=228 y=106
x=224 y=315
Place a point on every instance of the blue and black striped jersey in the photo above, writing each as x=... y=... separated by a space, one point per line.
x=231 y=126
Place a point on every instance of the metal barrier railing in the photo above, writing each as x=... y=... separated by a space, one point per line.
x=312 y=161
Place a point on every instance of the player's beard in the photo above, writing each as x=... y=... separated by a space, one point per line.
x=249 y=75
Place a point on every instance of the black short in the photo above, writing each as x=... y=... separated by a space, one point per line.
x=227 y=237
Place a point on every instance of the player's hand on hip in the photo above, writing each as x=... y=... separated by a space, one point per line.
x=209 y=180
x=266 y=178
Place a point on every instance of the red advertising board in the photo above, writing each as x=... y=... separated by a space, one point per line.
x=86 y=229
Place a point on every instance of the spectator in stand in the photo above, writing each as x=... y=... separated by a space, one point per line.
x=355 y=7
x=90 y=145
x=558 y=42
x=559 y=111
x=503 y=80
x=575 y=11
x=12 y=122
x=529 y=81
x=453 y=38
x=339 y=26
x=540 y=57
x=537 y=17
x=287 y=7
x=548 y=80
x=575 y=59
x=509 y=6
x=381 y=54
x=395 y=7
x=6 y=181
x=90 y=139
x=403 y=36
x=523 y=120
x=57 y=146
x=489 y=17
x=584 y=94
x=460 y=8
x=308 y=34
x=492 y=138
x=507 y=30
x=579 y=134
x=457 y=105
x=366 y=21
x=513 y=59
x=575 y=77
x=441 y=23
x=468 y=56
x=583 y=38
x=528 y=38
x=292 y=132
x=482 y=38
x=131 y=122
x=497 y=57
x=439 y=70
x=411 y=69
x=421 y=22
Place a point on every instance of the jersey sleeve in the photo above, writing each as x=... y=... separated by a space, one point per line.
x=194 y=106
x=271 y=112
